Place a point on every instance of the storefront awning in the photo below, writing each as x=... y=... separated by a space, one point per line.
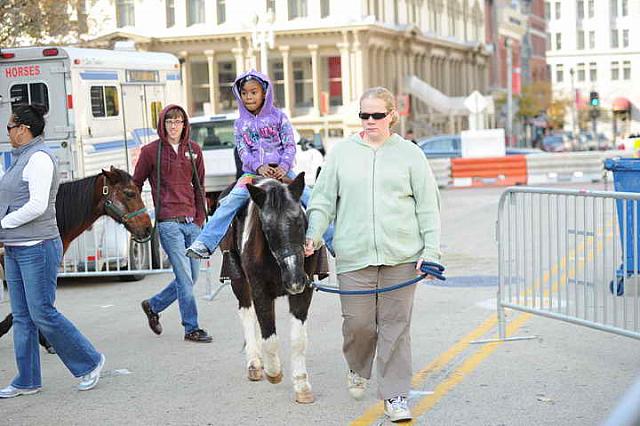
x=621 y=104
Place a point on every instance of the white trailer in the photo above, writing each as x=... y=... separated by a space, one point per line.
x=103 y=105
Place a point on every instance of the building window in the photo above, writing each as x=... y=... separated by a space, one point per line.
x=271 y=4
x=615 y=71
x=613 y=8
x=593 y=71
x=170 y=9
x=626 y=70
x=581 y=74
x=557 y=10
x=614 y=38
x=625 y=38
x=226 y=77
x=558 y=41
x=547 y=11
x=591 y=11
x=297 y=9
x=592 y=39
x=548 y=41
x=580 y=40
x=625 y=7
x=221 y=10
x=124 y=13
x=333 y=84
x=559 y=73
x=195 y=12
x=29 y=93
x=580 y=9
x=276 y=72
x=395 y=12
x=324 y=8
x=104 y=101
x=199 y=86
x=302 y=83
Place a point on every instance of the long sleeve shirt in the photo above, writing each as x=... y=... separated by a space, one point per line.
x=385 y=203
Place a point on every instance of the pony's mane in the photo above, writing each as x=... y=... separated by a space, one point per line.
x=75 y=202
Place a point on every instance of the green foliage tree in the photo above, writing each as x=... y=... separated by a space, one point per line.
x=39 y=21
x=535 y=97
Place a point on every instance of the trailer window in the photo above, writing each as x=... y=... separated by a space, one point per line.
x=156 y=108
x=104 y=101
x=29 y=93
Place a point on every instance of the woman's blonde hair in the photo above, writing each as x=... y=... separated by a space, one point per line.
x=387 y=97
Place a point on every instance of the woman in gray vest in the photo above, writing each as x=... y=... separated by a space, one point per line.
x=33 y=252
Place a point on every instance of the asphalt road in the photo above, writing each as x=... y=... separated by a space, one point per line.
x=567 y=375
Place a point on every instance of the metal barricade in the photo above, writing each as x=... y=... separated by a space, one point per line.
x=564 y=254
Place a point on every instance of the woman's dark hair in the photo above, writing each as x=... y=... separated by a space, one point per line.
x=32 y=116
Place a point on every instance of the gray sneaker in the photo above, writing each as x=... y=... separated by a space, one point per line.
x=198 y=250
x=12 y=391
x=397 y=409
x=89 y=381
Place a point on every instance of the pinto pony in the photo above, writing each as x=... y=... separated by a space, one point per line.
x=265 y=260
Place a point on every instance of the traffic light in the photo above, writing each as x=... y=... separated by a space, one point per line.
x=594 y=99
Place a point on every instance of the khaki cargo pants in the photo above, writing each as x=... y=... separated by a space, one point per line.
x=379 y=323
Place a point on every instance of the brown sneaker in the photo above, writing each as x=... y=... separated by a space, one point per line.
x=198 y=336
x=154 y=319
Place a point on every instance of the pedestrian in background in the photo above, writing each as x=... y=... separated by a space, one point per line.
x=178 y=197
x=387 y=223
x=33 y=252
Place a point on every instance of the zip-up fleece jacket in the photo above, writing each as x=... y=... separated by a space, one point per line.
x=264 y=138
x=385 y=203
x=178 y=191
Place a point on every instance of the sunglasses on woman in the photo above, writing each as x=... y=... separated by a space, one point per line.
x=374 y=115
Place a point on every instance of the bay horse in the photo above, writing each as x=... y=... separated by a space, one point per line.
x=81 y=202
x=265 y=260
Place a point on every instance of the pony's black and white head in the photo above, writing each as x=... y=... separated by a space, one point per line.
x=283 y=224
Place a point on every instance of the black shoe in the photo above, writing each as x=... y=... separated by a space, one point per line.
x=199 y=336
x=154 y=319
x=198 y=250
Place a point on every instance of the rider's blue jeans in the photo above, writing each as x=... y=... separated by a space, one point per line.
x=31 y=273
x=175 y=238
x=215 y=230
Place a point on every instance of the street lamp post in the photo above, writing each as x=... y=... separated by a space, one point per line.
x=263 y=38
x=574 y=120
x=509 y=93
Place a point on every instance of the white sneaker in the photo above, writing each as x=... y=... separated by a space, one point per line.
x=397 y=409
x=89 y=381
x=12 y=391
x=356 y=385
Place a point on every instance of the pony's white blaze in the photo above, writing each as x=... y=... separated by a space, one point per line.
x=298 y=358
x=270 y=348
x=251 y=329
x=248 y=225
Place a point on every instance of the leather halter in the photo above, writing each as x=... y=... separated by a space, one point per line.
x=110 y=207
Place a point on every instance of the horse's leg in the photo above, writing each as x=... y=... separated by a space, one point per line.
x=265 y=311
x=299 y=308
x=247 y=315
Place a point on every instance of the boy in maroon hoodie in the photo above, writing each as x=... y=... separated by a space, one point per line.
x=179 y=212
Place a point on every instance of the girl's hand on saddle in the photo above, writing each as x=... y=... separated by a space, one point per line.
x=264 y=170
x=278 y=172
x=308 y=248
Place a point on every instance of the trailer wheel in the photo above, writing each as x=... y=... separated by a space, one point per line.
x=138 y=259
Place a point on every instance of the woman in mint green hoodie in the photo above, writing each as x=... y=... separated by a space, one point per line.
x=379 y=189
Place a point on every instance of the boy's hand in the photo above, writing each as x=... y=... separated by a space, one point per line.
x=278 y=172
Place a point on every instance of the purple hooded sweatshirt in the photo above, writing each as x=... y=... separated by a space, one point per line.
x=264 y=138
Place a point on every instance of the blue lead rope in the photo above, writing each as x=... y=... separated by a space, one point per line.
x=428 y=268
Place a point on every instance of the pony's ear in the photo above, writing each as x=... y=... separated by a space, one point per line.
x=297 y=186
x=258 y=195
x=111 y=174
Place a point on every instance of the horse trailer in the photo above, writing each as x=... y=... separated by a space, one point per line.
x=102 y=106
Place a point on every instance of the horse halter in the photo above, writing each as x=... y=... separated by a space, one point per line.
x=110 y=206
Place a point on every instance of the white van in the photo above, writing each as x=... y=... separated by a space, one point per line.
x=103 y=105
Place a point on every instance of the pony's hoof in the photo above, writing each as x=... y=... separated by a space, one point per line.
x=305 y=397
x=274 y=379
x=254 y=374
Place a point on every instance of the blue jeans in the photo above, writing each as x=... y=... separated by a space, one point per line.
x=218 y=225
x=31 y=273
x=175 y=238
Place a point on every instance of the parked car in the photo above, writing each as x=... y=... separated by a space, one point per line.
x=449 y=146
x=556 y=143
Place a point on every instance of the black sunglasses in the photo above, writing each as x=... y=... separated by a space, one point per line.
x=11 y=126
x=374 y=115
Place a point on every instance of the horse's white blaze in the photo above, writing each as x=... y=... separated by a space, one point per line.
x=270 y=348
x=298 y=359
x=250 y=328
